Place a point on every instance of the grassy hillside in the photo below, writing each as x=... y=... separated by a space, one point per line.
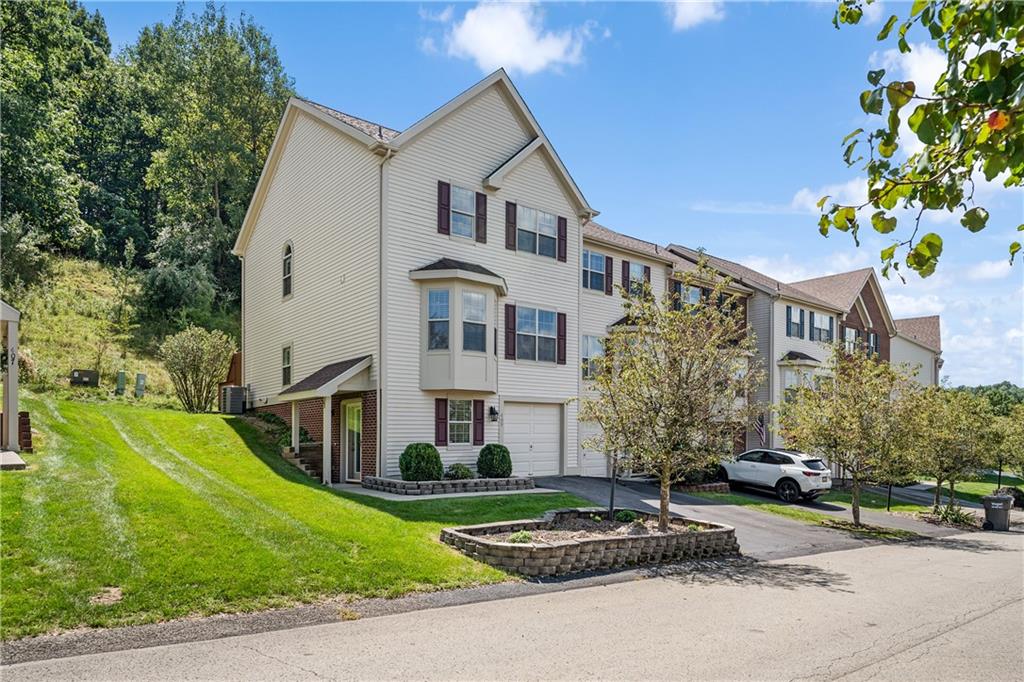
x=65 y=325
x=130 y=514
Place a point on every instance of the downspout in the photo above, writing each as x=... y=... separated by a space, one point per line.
x=381 y=303
x=241 y=337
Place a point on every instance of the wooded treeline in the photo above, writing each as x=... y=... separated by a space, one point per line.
x=160 y=145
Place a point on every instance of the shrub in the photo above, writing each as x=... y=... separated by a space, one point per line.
x=1016 y=493
x=420 y=462
x=521 y=537
x=494 y=461
x=279 y=431
x=955 y=515
x=197 y=361
x=625 y=516
x=458 y=472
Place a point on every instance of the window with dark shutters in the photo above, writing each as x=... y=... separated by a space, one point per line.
x=444 y=208
x=789 y=320
x=625 y=278
x=608 y=284
x=478 y=422
x=831 y=329
x=801 y=333
x=812 y=334
x=510 y=226
x=440 y=421
x=510 y=331
x=561 y=338
x=563 y=238
x=481 y=217
x=647 y=274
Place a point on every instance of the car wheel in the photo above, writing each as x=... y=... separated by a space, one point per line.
x=722 y=476
x=787 y=490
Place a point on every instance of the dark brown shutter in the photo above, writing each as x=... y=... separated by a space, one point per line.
x=444 y=208
x=510 y=331
x=481 y=217
x=563 y=238
x=440 y=421
x=608 y=283
x=561 y=338
x=625 y=278
x=478 y=422
x=647 y=274
x=510 y=225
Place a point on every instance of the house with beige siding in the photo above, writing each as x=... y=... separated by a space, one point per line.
x=918 y=347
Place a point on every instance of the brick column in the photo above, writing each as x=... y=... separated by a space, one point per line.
x=369 y=435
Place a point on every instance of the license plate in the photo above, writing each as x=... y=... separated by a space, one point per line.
x=824 y=479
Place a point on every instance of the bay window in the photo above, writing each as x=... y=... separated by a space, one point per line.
x=437 y=319
x=474 y=321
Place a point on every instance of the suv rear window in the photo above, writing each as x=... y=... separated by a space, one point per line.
x=815 y=464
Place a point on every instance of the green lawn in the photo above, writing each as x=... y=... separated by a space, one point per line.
x=873 y=501
x=973 y=491
x=197 y=514
x=804 y=515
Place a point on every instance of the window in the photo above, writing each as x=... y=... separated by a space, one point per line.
x=776 y=458
x=592 y=348
x=756 y=456
x=822 y=329
x=460 y=419
x=850 y=338
x=794 y=322
x=636 y=278
x=814 y=465
x=537 y=232
x=872 y=343
x=286 y=365
x=286 y=271
x=790 y=384
x=685 y=295
x=536 y=334
x=593 y=270
x=437 y=319
x=474 y=321
x=463 y=212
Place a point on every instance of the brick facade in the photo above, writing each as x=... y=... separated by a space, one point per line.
x=311 y=418
x=854 y=321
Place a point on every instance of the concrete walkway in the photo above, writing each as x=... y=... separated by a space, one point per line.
x=11 y=461
x=761 y=535
x=946 y=609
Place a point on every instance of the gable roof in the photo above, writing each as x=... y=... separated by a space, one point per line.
x=925 y=331
x=374 y=130
x=599 y=233
x=328 y=376
x=840 y=289
x=753 y=278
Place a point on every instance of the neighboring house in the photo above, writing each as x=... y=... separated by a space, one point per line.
x=417 y=285
x=918 y=345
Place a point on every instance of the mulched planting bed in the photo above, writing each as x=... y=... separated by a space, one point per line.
x=587 y=529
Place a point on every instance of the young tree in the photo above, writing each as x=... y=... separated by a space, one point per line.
x=1008 y=443
x=197 y=360
x=674 y=382
x=951 y=437
x=855 y=417
x=969 y=123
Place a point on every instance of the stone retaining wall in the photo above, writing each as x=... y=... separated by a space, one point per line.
x=469 y=485
x=703 y=488
x=572 y=556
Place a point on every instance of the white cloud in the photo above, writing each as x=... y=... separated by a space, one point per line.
x=989 y=269
x=427 y=45
x=804 y=201
x=443 y=16
x=874 y=12
x=790 y=269
x=513 y=36
x=902 y=305
x=689 y=13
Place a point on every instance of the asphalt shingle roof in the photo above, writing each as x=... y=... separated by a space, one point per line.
x=452 y=264
x=374 y=130
x=924 y=330
x=840 y=290
x=608 y=236
x=323 y=375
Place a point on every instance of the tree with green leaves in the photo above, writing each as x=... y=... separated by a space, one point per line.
x=969 y=124
x=197 y=361
x=854 y=417
x=1008 y=446
x=673 y=385
x=1002 y=396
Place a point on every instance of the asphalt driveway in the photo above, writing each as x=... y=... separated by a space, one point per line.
x=761 y=535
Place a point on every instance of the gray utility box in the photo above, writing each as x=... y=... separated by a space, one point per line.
x=232 y=399
x=85 y=377
x=997 y=512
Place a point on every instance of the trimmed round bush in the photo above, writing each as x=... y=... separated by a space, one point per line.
x=494 y=461
x=458 y=472
x=420 y=462
x=625 y=516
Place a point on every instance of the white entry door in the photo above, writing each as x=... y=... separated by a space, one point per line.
x=533 y=435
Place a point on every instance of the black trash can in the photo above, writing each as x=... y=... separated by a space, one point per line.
x=997 y=512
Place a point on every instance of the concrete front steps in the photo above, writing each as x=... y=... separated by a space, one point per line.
x=309 y=459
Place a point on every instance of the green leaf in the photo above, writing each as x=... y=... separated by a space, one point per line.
x=988 y=63
x=889 y=252
x=821 y=201
x=855 y=133
x=871 y=101
x=900 y=93
x=917 y=117
x=925 y=256
x=916 y=8
x=824 y=224
x=848 y=153
x=994 y=165
x=883 y=224
x=875 y=77
x=1014 y=248
x=844 y=218
x=975 y=219
x=887 y=145
x=884 y=33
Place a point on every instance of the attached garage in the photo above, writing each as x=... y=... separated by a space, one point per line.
x=533 y=436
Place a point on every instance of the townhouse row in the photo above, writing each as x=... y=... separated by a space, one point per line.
x=448 y=283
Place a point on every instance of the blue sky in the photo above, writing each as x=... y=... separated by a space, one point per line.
x=707 y=124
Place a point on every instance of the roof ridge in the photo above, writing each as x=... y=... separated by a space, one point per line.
x=357 y=119
x=865 y=270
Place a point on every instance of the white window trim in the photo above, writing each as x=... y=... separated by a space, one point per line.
x=537 y=335
x=288 y=256
x=452 y=211
x=447 y=319
x=587 y=254
x=468 y=422
x=585 y=359
x=291 y=364
x=537 y=234
x=818 y=320
x=482 y=321
x=634 y=279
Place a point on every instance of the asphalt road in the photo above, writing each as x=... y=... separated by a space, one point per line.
x=949 y=608
x=761 y=535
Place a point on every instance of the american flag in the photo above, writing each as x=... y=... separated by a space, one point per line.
x=759 y=427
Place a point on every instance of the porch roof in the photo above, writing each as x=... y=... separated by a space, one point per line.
x=325 y=380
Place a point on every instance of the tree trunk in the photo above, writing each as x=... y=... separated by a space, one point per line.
x=666 y=492
x=938 y=498
x=952 y=494
x=888 y=498
x=999 y=477
x=855 y=498
x=611 y=497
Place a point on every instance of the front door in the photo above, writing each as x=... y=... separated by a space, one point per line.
x=353 y=440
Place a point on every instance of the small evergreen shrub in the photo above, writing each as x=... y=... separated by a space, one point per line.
x=420 y=462
x=458 y=472
x=494 y=461
x=625 y=516
x=521 y=537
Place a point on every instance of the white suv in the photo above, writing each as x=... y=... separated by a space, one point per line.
x=790 y=473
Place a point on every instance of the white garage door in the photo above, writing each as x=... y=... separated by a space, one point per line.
x=594 y=462
x=533 y=436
